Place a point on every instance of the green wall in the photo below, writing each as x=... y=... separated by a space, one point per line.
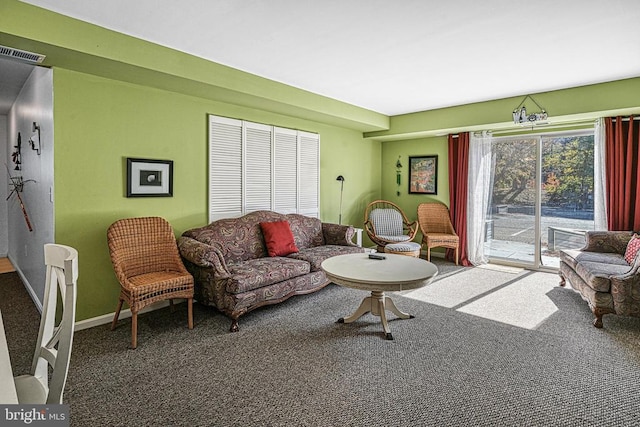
x=404 y=149
x=425 y=132
x=117 y=96
x=99 y=122
x=564 y=107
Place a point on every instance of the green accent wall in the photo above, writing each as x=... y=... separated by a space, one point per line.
x=425 y=132
x=99 y=122
x=564 y=106
x=117 y=96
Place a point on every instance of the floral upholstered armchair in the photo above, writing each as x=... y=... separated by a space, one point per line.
x=606 y=273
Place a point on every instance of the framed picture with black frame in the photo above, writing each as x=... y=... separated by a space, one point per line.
x=423 y=174
x=149 y=178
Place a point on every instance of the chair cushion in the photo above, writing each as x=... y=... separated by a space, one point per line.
x=257 y=273
x=573 y=256
x=386 y=222
x=278 y=238
x=395 y=238
x=632 y=249
x=598 y=275
x=403 y=247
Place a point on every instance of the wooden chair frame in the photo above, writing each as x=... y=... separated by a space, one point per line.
x=53 y=347
x=409 y=229
x=148 y=266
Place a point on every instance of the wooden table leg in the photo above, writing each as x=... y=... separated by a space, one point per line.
x=365 y=307
x=377 y=304
x=392 y=307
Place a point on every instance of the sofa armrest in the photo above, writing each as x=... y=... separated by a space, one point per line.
x=203 y=255
x=625 y=290
x=335 y=234
x=607 y=241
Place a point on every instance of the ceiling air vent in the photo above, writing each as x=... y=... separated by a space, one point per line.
x=21 y=54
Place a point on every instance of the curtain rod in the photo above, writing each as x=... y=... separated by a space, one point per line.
x=543 y=129
x=558 y=126
x=624 y=119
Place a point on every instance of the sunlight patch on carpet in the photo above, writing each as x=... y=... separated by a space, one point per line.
x=523 y=303
x=462 y=287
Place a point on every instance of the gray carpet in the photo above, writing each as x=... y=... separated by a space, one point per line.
x=292 y=365
x=21 y=320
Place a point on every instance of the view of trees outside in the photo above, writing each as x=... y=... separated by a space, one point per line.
x=567 y=174
x=566 y=195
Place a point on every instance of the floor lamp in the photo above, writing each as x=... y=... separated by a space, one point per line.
x=341 y=179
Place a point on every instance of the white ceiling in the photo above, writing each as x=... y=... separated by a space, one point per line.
x=392 y=57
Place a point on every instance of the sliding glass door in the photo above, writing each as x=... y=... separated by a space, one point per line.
x=542 y=197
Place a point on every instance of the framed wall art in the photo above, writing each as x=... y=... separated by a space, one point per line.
x=423 y=175
x=149 y=178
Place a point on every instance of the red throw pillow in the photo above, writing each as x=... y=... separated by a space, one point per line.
x=632 y=249
x=278 y=238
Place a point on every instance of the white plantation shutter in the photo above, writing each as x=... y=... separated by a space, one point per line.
x=254 y=167
x=225 y=168
x=257 y=167
x=285 y=171
x=309 y=144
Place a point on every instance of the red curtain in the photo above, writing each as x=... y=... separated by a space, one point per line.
x=623 y=172
x=458 y=173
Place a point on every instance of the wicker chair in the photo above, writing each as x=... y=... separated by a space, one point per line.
x=386 y=223
x=436 y=228
x=148 y=266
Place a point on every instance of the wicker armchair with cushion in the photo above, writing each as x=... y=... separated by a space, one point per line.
x=386 y=223
x=148 y=266
x=436 y=228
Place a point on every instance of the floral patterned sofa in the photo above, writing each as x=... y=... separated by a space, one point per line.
x=601 y=274
x=234 y=273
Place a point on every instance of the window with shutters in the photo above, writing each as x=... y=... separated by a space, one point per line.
x=253 y=167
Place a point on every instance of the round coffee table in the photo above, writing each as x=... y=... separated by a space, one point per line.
x=394 y=273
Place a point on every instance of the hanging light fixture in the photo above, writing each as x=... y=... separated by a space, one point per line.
x=521 y=117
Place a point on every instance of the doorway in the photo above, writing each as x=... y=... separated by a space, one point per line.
x=542 y=197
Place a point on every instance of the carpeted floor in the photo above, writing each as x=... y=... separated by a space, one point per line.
x=292 y=365
x=21 y=321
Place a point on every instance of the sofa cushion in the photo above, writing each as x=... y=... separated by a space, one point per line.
x=632 y=249
x=573 y=256
x=307 y=231
x=256 y=273
x=237 y=239
x=315 y=256
x=278 y=238
x=597 y=274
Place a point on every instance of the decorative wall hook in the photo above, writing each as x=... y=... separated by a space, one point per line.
x=16 y=156
x=34 y=141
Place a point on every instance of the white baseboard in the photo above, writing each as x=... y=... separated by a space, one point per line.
x=26 y=284
x=124 y=314
x=94 y=321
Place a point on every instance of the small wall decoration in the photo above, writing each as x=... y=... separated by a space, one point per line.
x=423 y=175
x=34 y=141
x=16 y=156
x=149 y=178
